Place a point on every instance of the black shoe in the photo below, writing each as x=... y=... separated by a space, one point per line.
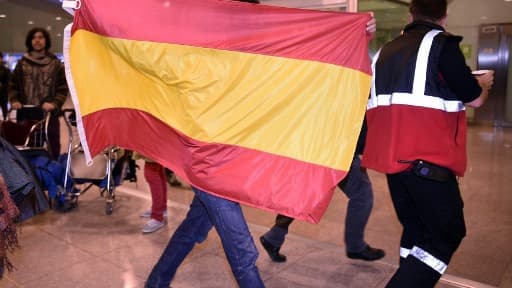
x=368 y=254
x=171 y=178
x=131 y=170
x=273 y=252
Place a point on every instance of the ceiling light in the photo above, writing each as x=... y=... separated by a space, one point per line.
x=30 y=22
x=483 y=17
x=3 y=15
x=58 y=18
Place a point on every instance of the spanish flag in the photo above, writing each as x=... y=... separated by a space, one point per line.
x=257 y=104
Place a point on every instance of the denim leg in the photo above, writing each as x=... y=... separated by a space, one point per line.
x=358 y=189
x=276 y=235
x=194 y=229
x=229 y=221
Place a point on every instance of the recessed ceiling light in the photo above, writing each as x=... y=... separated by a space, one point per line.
x=58 y=18
x=3 y=15
x=483 y=17
x=508 y=0
x=30 y=22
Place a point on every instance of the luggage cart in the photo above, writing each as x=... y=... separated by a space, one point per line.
x=106 y=172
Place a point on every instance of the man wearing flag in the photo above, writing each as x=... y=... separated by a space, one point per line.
x=236 y=99
x=207 y=211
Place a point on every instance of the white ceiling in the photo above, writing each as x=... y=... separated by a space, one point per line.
x=461 y=13
x=389 y=13
x=42 y=13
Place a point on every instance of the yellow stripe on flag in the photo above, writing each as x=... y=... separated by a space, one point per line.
x=204 y=93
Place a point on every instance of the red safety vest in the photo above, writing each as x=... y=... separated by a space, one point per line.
x=405 y=126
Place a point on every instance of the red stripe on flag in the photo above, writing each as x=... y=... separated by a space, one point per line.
x=225 y=170
x=330 y=37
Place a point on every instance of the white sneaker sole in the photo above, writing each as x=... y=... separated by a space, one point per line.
x=153 y=229
x=148 y=215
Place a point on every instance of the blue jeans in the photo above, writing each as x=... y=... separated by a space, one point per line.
x=207 y=211
x=359 y=191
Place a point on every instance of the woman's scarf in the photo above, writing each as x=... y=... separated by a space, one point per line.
x=8 y=218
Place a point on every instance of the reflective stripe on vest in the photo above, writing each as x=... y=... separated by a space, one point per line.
x=417 y=97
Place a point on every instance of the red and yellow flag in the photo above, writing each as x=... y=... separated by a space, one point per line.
x=258 y=104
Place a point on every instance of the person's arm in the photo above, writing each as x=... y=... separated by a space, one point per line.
x=61 y=91
x=13 y=89
x=5 y=78
x=457 y=75
x=485 y=81
x=4 y=82
x=371 y=25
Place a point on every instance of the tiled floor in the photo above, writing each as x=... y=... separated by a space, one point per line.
x=86 y=248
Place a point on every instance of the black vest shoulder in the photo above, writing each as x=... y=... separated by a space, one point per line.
x=397 y=62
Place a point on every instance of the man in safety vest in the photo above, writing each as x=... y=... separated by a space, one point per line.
x=417 y=136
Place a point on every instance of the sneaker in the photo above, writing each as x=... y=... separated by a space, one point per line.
x=147 y=214
x=152 y=225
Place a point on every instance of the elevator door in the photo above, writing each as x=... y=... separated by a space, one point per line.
x=495 y=42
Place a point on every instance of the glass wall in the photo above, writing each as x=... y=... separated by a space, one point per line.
x=391 y=17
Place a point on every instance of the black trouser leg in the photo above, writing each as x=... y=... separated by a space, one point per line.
x=431 y=213
x=277 y=234
x=414 y=273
